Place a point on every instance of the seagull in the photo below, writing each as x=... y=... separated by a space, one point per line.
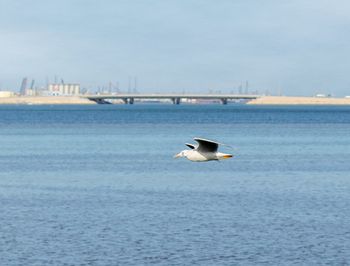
x=206 y=150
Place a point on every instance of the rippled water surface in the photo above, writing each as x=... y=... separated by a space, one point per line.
x=98 y=185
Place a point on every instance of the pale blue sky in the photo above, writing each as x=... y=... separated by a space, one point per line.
x=300 y=46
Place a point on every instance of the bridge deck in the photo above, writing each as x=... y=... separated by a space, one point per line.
x=176 y=98
x=169 y=96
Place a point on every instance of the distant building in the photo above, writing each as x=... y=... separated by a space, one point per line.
x=30 y=92
x=5 y=94
x=323 y=95
x=64 y=89
x=22 y=90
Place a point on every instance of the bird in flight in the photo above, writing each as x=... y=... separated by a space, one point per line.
x=205 y=150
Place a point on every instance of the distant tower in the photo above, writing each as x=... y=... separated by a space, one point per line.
x=135 y=85
x=110 y=85
x=22 y=90
x=32 y=84
x=246 y=87
x=47 y=82
x=117 y=87
x=129 y=85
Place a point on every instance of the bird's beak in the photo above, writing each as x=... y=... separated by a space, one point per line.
x=177 y=155
x=226 y=156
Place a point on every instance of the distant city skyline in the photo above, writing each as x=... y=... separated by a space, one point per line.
x=290 y=47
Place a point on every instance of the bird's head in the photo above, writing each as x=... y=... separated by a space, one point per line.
x=182 y=154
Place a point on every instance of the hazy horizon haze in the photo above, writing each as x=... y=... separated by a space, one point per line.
x=299 y=47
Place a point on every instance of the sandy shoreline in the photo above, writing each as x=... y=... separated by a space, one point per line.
x=286 y=100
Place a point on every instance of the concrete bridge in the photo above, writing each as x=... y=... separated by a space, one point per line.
x=175 y=98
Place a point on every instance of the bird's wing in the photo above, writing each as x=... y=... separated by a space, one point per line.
x=190 y=146
x=206 y=145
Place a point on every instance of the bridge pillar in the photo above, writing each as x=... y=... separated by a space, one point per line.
x=176 y=100
x=224 y=101
x=125 y=100
x=131 y=100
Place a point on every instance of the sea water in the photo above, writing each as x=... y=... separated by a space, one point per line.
x=98 y=185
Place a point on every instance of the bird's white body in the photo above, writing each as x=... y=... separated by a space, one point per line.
x=205 y=151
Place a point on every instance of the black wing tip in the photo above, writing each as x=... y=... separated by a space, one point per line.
x=190 y=145
x=212 y=141
x=206 y=140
